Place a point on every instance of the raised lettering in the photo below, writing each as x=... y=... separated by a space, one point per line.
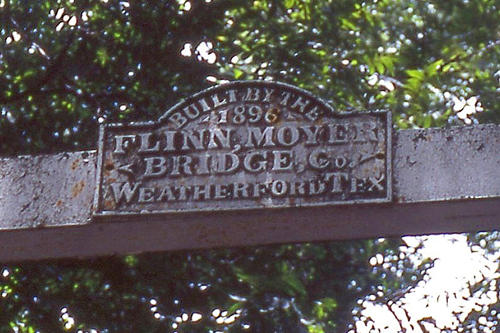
x=301 y=104
x=336 y=178
x=312 y=134
x=337 y=134
x=260 y=189
x=313 y=114
x=177 y=119
x=217 y=102
x=145 y=146
x=232 y=95
x=166 y=194
x=220 y=191
x=227 y=162
x=183 y=162
x=204 y=105
x=288 y=135
x=191 y=111
x=200 y=191
x=240 y=190
x=268 y=93
x=122 y=143
x=316 y=187
x=279 y=188
x=257 y=137
x=255 y=161
x=355 y=185
x=223 y=138
x=195 y=138
x=123 y=191
x=155 y=166
x=297 y=188
x=318 y=159
x=253 y=95
x=203 y=164
x=376 y=183
x=146 y=194
x=283 y=160
x=169 y=140
x=183 y=190
x=285 y=97
x=251 y=144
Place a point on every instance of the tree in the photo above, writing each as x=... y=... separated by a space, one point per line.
x=69 y=65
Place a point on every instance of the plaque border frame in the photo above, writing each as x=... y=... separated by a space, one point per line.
x=97 y=212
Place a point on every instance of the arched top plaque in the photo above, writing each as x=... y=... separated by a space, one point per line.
x=272 y=93
x=244 y=145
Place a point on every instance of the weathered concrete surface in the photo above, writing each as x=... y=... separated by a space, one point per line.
x=445 y=180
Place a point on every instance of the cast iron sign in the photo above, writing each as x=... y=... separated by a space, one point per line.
x=244 y=145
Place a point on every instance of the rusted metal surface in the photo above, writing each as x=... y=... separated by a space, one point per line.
x=447 y=164
x=445 y=180
x=46 y=190
x=245 y=145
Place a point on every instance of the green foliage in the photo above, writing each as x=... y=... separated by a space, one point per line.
x=66 y=65
x=277 y=288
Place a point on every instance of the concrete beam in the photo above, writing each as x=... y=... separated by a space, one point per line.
x=445 y=181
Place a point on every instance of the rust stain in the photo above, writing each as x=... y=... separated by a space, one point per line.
x=108 y=166
x=74 y=165
x=274 y=115
x=59 y=203
x=77 y=188
x=109 y=204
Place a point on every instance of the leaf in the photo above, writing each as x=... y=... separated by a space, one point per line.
x=379 y=66
x=289 y=4
x=102 y=56
x=329 y=303
x=448 y=66
x=315 y=328
x=433 y=67
x=413 y=84
x=416 y=73
x=427 y=121
x=296 y=286
x=233 y=308
x=238 y=73
x=252 y=281
x=292 y=282
x=348 y=25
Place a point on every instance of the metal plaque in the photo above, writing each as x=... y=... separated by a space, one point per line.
x=244 y=145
